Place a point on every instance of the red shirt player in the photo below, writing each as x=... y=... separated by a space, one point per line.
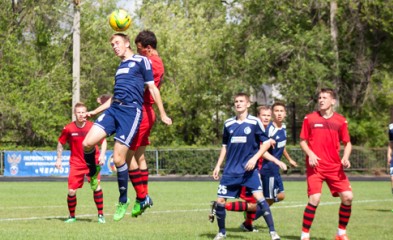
x=146 y=43
x=321 y=135
x=74 y=133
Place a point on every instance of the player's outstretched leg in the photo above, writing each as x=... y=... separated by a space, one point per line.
x=212 y=214
x=221 y=215
x=94 y=178
x=263 y=209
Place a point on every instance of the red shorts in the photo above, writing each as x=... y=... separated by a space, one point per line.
x=77 y=177
x=148 y=119
x=336 y=181
x=247 y=196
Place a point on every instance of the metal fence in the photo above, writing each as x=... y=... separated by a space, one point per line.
x=202 y=161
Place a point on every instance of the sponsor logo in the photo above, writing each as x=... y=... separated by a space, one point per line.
x=318 y=125
x=14 y=160
x=241 y=139
x=281 y=144
x=122 y=71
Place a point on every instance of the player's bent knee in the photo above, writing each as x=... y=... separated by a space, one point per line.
x=280 y=197
x=346 y=197
x=71 y=192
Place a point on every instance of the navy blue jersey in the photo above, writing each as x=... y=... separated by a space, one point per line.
x=131 y=77
x=280 y=136
x=242 y=141
x=391 y=139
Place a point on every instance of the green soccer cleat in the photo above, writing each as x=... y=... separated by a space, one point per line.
x=94 y=180
x=70 y=220
x=136 y=210
x=101 y=218
x=140 y=207
x=121 y=210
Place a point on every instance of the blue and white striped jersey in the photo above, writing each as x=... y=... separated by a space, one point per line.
x=242 y=141
x=130 y=79
x=280 y=136
x=391 y=139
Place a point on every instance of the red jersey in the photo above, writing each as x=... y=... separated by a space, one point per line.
x=158 y=74
x=323 y=137
x=148 y=114
x=74 y=136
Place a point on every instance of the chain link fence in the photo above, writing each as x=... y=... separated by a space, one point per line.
x=202 y=161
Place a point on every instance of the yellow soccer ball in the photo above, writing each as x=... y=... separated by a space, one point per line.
x=120 y=20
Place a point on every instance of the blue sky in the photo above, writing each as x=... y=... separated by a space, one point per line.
x=129 y=5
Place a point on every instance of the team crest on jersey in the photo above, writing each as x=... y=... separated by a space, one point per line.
x=247 y=130
x=131 y=64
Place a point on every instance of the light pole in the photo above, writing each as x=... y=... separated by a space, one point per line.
x=76 y=57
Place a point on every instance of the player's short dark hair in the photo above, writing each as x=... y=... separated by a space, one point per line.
x=330 y=91
x=278 y=104
x=146 y=38
x=104 y=97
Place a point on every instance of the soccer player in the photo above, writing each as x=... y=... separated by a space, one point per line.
x=321 y=134
x=273 y=187
x=146 y=43
x=390 y=157
x=269 y=167
x=122 y=114
x=73 y=134
x=244 y=142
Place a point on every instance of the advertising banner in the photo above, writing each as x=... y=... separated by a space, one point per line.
x=42 y=163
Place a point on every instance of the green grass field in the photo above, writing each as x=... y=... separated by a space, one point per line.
x=36 y=210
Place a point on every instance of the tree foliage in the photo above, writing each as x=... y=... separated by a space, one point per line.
x=211 y=50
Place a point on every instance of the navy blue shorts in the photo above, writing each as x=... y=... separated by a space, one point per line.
x=230 y=187
x=272 y=185
x=123 y=120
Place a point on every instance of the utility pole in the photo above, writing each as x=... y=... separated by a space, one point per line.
x=76 y=57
